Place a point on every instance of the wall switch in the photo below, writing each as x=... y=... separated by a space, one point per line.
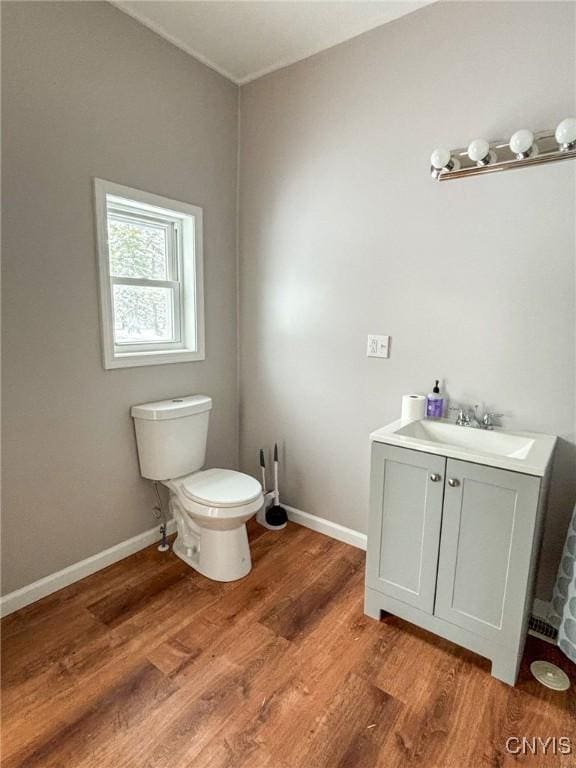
x=378 y=346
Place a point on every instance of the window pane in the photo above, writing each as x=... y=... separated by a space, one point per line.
x=137 y=249
x=143 y=315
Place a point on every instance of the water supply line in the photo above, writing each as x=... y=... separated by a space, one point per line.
x=160 y=514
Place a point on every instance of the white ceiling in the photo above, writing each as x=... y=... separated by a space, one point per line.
x=244 y=40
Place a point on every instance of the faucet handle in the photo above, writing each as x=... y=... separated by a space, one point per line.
x=463 y=418
x=488 y=418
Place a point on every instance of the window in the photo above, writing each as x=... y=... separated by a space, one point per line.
x=150 y=263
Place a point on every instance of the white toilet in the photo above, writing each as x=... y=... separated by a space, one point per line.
x=210 y=507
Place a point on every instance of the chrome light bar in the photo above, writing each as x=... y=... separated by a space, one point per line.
x=491 y=157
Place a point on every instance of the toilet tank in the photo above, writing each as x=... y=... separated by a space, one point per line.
x=171 y=436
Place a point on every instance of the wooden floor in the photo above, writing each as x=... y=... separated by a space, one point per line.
x=148 y=664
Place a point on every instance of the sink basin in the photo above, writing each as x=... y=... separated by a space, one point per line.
x=486 y=441
x=526 y=452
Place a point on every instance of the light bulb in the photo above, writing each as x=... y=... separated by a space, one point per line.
x=479 y=151
x=566 y=133
x=440 y=158
x=521 y=142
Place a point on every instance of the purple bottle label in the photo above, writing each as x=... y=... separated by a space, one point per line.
x=434 y=408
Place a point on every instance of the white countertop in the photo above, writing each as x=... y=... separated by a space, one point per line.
x=526 y=452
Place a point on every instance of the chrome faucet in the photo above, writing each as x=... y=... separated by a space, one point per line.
x=463 y=418
x=468 y=417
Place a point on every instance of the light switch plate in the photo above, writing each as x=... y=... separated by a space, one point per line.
x=378 y=346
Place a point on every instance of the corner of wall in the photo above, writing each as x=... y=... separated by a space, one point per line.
x=238 y=335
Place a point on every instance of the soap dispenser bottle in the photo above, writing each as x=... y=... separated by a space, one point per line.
x=435 y=403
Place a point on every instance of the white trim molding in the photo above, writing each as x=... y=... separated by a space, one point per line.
x=31 y=593
x=327 y=527
x=50 y=584
x=184 y=275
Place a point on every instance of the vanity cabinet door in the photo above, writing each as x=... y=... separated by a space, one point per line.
x=486 y=545
x=404 y=528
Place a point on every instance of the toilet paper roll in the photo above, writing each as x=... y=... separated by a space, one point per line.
x=413 y=407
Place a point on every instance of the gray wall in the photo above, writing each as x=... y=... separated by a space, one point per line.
x=87 y=91
x=343 y=233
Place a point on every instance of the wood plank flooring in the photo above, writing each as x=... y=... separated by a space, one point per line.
x=148 y=664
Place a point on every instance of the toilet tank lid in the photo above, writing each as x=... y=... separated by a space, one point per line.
x=175 y=408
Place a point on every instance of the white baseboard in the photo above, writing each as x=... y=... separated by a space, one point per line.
x=13 y=601
x=20 y=598
x=327 y=527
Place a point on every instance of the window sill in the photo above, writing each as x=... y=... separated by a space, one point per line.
x=137 y=359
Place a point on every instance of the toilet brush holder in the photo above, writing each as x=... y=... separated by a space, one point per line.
x=272 y=515
x=265 y=512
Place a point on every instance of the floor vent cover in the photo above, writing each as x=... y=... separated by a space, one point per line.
x=540 y=627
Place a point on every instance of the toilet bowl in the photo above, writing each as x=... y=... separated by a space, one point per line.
x=211 y=507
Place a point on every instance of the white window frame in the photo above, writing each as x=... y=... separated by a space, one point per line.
x=183 y=224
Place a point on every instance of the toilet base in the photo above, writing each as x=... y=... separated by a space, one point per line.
x=220 y=555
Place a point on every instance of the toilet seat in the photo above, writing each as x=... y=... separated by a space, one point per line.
x=217 y=489
x=221 y=488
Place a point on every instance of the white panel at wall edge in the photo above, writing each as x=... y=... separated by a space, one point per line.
x=35 y=591
x=31 y=593
x=327 y=527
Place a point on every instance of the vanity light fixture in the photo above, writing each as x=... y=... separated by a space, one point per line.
x=566 y=134
x=441 y=159
x=522 y=143
x=479 y=152
x=522 y=149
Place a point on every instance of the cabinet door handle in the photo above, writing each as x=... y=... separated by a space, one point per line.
x=453 y=483
x=435 y=478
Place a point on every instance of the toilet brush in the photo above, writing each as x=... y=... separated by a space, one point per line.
x=276 y=515
x=263 y=470
x=261 y=514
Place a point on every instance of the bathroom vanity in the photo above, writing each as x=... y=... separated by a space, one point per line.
x=454 y=532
